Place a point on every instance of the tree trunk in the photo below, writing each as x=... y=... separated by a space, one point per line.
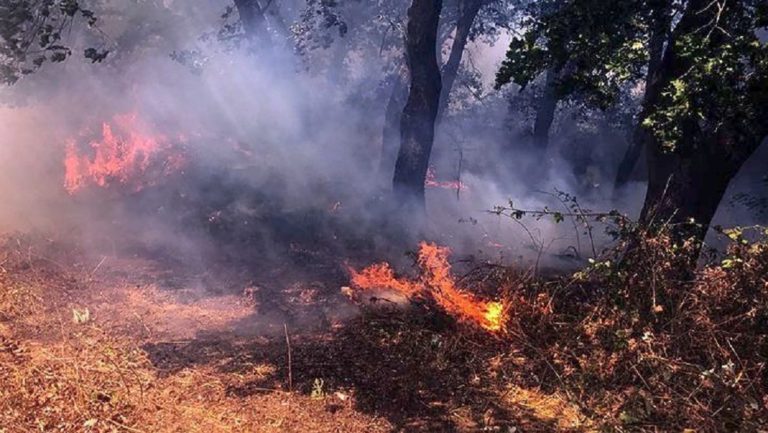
x=545 y=112
x=277 y=23
x=417 y=124
x=629 y=161
x=686 y=185
x=685 y=188
x=470 y=9
x=391 y=132
x=253 y=21
x=662 y=20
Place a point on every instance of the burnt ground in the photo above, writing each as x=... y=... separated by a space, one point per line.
x=142 y=342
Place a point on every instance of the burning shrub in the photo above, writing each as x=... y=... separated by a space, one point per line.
x=637 y=339
x=124 y=154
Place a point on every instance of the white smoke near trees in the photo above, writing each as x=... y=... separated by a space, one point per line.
x=263 y=133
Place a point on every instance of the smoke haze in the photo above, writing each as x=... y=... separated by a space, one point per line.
x=272 y=143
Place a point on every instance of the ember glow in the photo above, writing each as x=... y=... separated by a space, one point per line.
x=123 y=154
x=432 y=182
x=435 y=282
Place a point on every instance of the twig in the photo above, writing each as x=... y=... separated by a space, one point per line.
x=290 y=362
x=458 y=174
x=149 y=331
x=572 y=217
x=122 y=376
x=637 y=372
x=103 y=258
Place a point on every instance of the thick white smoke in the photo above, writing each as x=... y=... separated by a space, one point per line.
x=265 y=121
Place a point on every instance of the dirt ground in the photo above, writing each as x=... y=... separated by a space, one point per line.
x=129 y=343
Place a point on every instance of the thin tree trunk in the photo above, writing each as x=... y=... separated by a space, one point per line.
x=417 y=125
x=337 y=71
x=545 y=112
x=276 y=21
x=470 y=9
x=254 y=23
x=391 y=132
x=638 y=142
x=640 y=137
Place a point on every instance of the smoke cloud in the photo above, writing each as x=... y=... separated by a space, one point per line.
x=276 y=149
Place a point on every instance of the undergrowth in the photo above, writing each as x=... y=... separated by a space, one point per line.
x=641 y=349
x=624 y=345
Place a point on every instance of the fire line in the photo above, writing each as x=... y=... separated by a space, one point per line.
x=435 y=282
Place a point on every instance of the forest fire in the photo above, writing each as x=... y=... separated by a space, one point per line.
x=122 y=154
x=432 y=182
x=435 y=282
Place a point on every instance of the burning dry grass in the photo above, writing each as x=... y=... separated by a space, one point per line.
x=85 y=351
x=606 y=350
x=633 y=346
x=436 y=283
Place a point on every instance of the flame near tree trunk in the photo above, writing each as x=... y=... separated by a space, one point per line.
x=437 y=283
x=432 y=182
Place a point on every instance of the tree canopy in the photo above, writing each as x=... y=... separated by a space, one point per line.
x=604 y=46
x=32 y=33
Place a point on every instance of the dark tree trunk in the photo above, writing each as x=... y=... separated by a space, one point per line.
x=545 y=112
x=391 y=132
x=469 y=11
x=638 y=141
x=275 y=18
x=417 y=125
x=640 y=137
x=253 y=21
x=686 y=185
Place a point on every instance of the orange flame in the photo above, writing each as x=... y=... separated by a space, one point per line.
x=436 y=282
x=432 y=182
x=382 y=275
x=123 y=154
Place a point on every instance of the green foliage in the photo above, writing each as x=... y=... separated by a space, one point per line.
x=31 y=34
x=583 y=220
x=723 y=82
x=321 y=23
x=716 y=79
x=94 y=55
x=599 y=43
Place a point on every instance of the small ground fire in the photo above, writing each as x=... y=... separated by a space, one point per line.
x=432 y=182
x=435 y=282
